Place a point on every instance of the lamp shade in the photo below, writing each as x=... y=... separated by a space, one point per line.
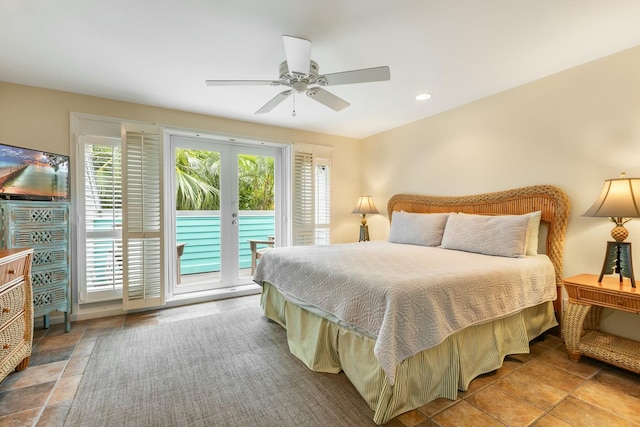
x=620 y=198
x=365 y=206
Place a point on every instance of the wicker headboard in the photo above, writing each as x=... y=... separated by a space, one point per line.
x=552 y=201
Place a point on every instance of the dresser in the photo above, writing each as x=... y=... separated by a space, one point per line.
x=16 y=310
x=43 y=226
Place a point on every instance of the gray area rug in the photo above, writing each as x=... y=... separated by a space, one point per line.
x=229 y=369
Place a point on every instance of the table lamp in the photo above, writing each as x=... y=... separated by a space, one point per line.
x=619 y=201
x=365 y=206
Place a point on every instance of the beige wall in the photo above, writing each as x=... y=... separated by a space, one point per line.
x=573 y=130
x=39 y=118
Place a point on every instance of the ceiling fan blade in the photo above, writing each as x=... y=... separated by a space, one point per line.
x=327 y=98
x=298 y=54
x=375 y=74
x=242 y=82
x=274 y=102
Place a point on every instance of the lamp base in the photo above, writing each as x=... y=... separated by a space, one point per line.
x=364 y=233
x=617 y=260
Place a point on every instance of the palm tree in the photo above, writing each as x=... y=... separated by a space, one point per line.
x=197 y=180
x=256 y=182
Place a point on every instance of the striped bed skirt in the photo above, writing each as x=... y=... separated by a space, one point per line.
x=440 y=371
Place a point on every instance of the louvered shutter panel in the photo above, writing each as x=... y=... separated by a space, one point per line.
x=323 y=204
x=303 y=224
x=101 y=260
x=143 y=221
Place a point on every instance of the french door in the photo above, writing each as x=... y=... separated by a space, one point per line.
x=224 y=197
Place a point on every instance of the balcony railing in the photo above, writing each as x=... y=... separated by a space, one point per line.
x=199 y=231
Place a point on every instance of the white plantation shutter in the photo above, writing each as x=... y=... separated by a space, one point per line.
x=100 y=274
x=142 y=220
x=311 y=195
x=303 y=200
x=323 y=202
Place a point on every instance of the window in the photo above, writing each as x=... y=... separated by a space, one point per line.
x=120 y=225
x=311 y=195
x=101 y=229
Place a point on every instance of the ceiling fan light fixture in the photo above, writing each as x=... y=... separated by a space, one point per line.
x=302 y=75
x=423 y=96
x=299 y=87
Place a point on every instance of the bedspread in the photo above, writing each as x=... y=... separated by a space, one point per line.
x=407 y=297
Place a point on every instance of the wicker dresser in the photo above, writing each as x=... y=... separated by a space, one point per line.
x=43 y=226
x=16 y=310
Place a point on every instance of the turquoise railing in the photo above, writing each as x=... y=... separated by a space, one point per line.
x=200 y=232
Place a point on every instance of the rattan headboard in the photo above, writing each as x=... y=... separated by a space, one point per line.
x=552 y=201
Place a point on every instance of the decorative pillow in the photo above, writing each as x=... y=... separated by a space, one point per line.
x=502 y=235
x=533 y=230
x=417 y=228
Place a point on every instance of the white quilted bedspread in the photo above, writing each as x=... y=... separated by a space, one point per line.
x=408 y=297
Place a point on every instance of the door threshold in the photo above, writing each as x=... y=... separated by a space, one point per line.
x=214 y=294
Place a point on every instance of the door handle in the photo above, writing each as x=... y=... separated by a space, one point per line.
x=234 y=222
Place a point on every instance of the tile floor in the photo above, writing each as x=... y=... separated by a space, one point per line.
x=542 y=388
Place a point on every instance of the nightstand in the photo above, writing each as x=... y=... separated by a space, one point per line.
x=581 y=320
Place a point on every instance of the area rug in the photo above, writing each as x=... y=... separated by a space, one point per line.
x=228 y=369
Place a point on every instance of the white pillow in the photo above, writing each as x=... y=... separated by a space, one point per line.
x=417 y=228
x=502 y=235
x=533 y=230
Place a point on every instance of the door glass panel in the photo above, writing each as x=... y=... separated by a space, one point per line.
x=198 y=231
x=256 y=203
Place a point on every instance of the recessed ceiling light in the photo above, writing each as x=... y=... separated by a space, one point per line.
x=423 y=96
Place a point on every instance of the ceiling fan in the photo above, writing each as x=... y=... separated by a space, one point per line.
x=301 y=74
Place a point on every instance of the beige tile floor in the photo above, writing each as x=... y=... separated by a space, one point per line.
x=542 y=388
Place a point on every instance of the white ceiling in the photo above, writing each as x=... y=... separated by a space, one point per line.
x=160 y=52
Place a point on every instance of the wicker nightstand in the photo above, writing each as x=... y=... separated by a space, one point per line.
x=581 y=321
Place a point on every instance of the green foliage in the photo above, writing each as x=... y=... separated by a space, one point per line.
x=107 y=170
x=256 y=182
x=198 y=181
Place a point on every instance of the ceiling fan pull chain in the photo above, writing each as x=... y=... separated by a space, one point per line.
x=293 y=113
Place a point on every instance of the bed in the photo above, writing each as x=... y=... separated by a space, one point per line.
x=443 y=300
